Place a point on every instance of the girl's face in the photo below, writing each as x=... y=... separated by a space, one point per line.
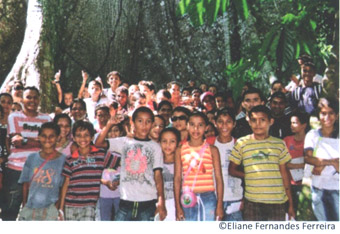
x=83 y=138
x=179 y=120
x=65 y=127
x=196 y=127
x=6 y=103
x=327 y=117
x=225 y=125
x=157 y=127
x=168 y=143
x=113 y=81
x=140 y=102
x=144 y=89
x=48 y=139
x=209 y=132
x=295 y=125
x=175 y=91
x=94 y=90
x=114 y=132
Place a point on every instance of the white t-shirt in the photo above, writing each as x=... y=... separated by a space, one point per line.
x=91 y=107
x=233 y=190
x=139 y=159
x=325 y=148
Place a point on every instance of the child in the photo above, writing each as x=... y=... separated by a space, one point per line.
x=267 y=185
x=322 y=151
x=196 y=165
x=179 y=120
x=41 y=177
x=83 y=171
x=157 y=126
x=233 y=190
x=64 y=141
x=299 y=123
x=141 y=180
x=169 y=140
x=109 y=196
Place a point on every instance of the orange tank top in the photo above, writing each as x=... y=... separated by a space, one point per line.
x=191 y=167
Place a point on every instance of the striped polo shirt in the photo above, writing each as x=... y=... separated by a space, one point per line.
x=261 y=160
x=26 y=126
x=191 y=168
x=85 y=174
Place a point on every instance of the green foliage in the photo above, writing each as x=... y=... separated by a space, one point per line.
x=300 y=30
x=206 y=11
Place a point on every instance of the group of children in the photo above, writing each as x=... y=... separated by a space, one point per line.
x=166 y=165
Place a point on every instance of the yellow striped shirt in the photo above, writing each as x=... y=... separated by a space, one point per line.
x=261 y=160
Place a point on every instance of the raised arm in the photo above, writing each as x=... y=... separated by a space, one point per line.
x=82 y=87
x=57 y=85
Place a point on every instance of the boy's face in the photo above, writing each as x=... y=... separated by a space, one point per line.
x=156 y=128
x=260 y=124
x=179 y=120
x=121 y=98
x=142 y=125
x=83 y=138
x=212 y=89
x=307 y=74
x=113 y=81
x=68 y=98
x=31 y=100
x=78 y=113
x=114 y=132
x=220 y=103
x=251 y=100
x=102 y=117
x=48 y=138
x=277 y=106
x=296 y=126
x=94 y=90
x=225 y=125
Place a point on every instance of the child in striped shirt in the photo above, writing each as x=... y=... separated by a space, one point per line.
x=267 y=184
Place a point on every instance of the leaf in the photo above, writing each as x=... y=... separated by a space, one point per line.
x=285 y=49
x=312 y=24
x=267 y=44
x=242 y=8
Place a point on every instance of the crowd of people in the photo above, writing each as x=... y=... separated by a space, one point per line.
x=129 y=153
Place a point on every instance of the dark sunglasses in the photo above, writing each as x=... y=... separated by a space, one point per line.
x=18 y=88
x=175 y=118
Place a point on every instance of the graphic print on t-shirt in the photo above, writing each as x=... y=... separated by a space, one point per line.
x=137 y=160
x=45 y=177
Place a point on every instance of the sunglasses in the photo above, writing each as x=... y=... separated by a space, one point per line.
x=181 y=117
x=18 y=88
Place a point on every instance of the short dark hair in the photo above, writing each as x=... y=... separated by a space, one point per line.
x=174 y=131
x=80 y=101
x=62 y=116
x=165 y=93
x=83 y=125
x=225 y=111
x=311 y=65
x=164 y=103
x=6 y=95
x=33 y=88
x=303 y=118
x=50 y=125
x=183 y=109
x=276 y=82
x=102 y=107
x=122 y=89
x=262 y=109
x=278 y=94
x=114 y=73
x=252 y=90
x=143 y=109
